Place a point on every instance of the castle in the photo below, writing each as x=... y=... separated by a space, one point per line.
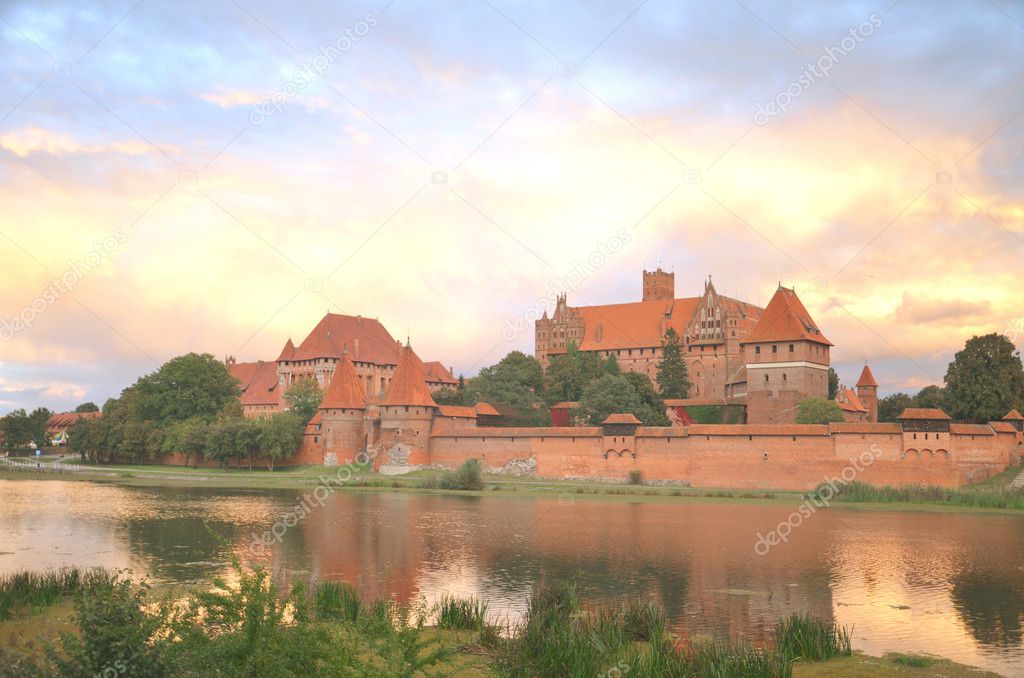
x=371 y=348
x=763 y=360
x=378 y=404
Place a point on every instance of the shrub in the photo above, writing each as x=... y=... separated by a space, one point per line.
x=636 y=477
x=468 y=477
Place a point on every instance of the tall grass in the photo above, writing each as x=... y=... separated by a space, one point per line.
x=802 y=636
x=33 y=591
x=461 y=614
x=337 y=601
x=973 y=497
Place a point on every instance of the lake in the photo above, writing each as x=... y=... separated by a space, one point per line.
x=947 y=583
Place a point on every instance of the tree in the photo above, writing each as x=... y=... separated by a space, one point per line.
x=450 y=396
x=16 y=428
x=673 y=379
x=652 y=407
x=222 y=440
x=188 y=437
x=985 y=380
x=932 y=397
x=191 y=385
x=136 y=437
x=570 y=372
x=247 y=440
x=891 y=407
x=304 y=398
x=608 y=395
x=281 y=437
x=516 y=380
x=86 y=439
x=833 y=384
x=87 y=407
x=818 y=411
x=37 y=422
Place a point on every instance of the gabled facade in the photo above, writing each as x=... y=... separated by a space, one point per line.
x=787 y=360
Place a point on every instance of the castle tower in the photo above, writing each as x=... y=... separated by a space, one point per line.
x=406 y=414
x=787 y=359
x=867 y=391
x=343 y=415
x=659 y=285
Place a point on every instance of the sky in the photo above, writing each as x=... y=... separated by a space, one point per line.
x=214 y=176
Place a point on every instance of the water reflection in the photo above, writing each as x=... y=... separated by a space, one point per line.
x=947 y=583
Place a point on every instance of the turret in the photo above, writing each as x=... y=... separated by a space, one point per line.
x=659 y=285
x=406 y=414
x=343 y=416
x=867 y=391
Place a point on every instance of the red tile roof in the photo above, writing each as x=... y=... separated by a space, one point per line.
x=288 y=352
x=864 y=427
x=867 y=379
x=436 y=372
x=971 y=429
x=1003 y=427
x=366 y=340
x=260 y=384
x=848 y=401
x=564 y=406
x=58 y=423
x=923 y=413
x=344 y=392
x=457 y=411
x=1013 y=414
x=786 y=319
x=628 y=418
x=642 y=324
x=486 y=410
x=408 y=386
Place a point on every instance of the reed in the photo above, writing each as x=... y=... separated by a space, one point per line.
x=461 y=614
x=337 y=601
x=34 y=591
x=972 y=497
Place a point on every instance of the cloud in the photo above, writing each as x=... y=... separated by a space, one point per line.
x=33 y=140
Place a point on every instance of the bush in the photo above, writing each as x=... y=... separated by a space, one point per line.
x=468 y=477
x=636 y=477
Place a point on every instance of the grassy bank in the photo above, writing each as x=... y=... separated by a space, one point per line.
x=991 y=495
x=253 y=626
x=31 y=592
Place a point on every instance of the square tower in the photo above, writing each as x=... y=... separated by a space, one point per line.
x=659 y=285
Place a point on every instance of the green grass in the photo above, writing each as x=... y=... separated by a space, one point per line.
x=919 y=661
x=461 y=614
x=337 y=601
x=806 y=637
x=33 y=591
x=1000 y=497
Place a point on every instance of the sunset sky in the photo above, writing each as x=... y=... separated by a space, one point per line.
x=214 y=176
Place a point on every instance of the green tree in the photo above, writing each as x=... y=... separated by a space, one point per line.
x=191 y=385
x=222 y=440
x=247 y=440
x=652 y=410
x=570 y=372
x=16 y=428
x=87 y=407
x=833 y=384
x=281 y=437
x=985 y=380
x=932 y=397
x=818 y=411
x=304 y=398
x=189 y=437
x=86 y=438
x=891 y=407
x=611 y=365
x=608 y=395
x=136 y=438
x=450 y=396
x=673 y=378
x=516 y=380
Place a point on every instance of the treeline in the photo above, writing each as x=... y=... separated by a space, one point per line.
x=596 y=383
x=23 y=429
x=191 y=406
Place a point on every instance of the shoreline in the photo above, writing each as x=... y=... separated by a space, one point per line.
x=495 y=485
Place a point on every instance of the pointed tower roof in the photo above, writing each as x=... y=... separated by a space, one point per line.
x=1012 y=415
x=344 y=391
x=408 y=386
x=866 y=378
x=288 y=352
x=786 y=319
